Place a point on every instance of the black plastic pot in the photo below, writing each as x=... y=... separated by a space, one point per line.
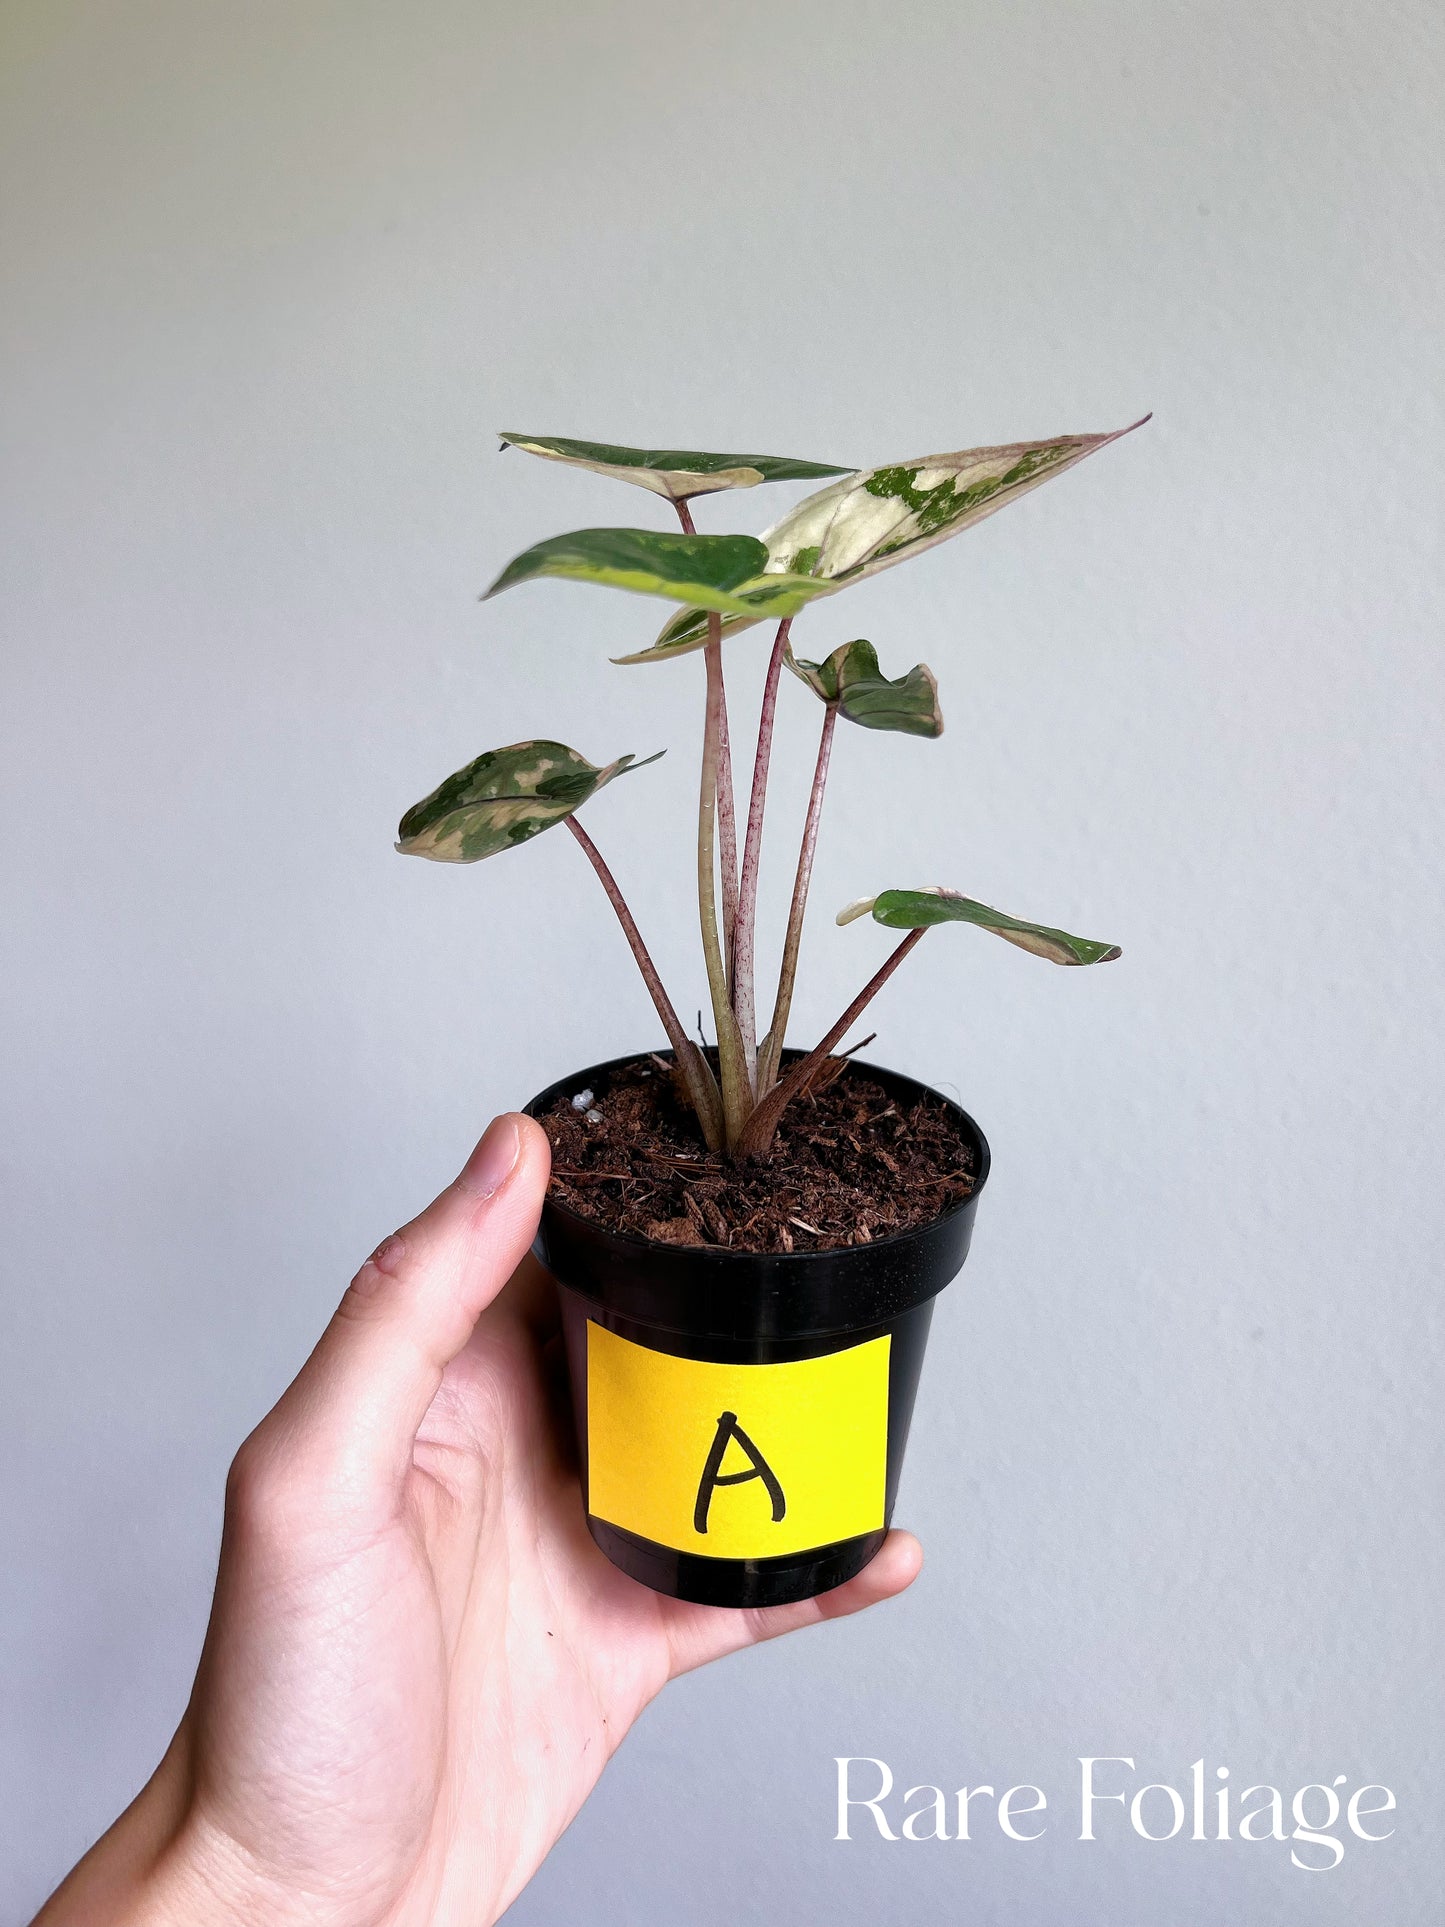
x=741 y=1419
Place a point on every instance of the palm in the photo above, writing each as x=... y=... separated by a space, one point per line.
x=550 y=1670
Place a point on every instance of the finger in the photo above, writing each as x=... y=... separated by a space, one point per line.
x=531 y=1299
x=697 y=1634
x=352 y=1413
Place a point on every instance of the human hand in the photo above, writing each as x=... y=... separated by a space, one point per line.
x=418 y=1662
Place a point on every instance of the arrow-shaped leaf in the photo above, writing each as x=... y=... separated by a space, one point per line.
x=503 y=798
x=720 y=572
x=921 y=909
x=677 y=473
x=851 y=678
x=880 y=516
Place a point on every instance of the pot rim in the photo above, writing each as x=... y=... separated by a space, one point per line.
x=789 y=1260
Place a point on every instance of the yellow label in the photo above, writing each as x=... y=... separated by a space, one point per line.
x=736 y=1461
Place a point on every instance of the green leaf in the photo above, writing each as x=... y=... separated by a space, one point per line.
x=722 y=572
x=852 y=679
x=677 y=473
x=880 y=516
x=504 y=797
x=921 y=909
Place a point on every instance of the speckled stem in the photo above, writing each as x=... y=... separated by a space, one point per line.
x=701 y=1086
x=787 y=976
x=727 y=827
x=737 y=1091
x=744 y=996
x=757 y=1133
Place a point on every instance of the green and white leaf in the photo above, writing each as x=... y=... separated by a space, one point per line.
x=677 y=473
x=921 y=909
x=880 y=516
x=851 y=678
x=503 y=798
x=718 y=572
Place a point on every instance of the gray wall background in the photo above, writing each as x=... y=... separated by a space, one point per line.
x=273 y=275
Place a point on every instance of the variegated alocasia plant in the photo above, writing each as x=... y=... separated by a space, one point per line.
x=863 y=521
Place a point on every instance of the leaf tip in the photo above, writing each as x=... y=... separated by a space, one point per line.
x=850 y=912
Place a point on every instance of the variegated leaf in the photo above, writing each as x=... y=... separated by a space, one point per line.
x=921 y=909
x=880 y=516
x=719 y=572
x=851 y=678
x=503 y=798
x=677 y=473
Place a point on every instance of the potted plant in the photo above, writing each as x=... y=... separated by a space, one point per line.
x=747 y=1238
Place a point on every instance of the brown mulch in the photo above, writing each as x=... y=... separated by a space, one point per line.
x=848 y=1165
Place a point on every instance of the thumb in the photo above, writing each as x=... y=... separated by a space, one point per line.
x=350 y=1417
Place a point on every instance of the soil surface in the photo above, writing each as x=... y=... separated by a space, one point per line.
x=848 y=1165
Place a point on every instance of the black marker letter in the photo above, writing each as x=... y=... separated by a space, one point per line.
x=728 y=1428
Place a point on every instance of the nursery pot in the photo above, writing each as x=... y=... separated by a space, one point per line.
x=741 y=1418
